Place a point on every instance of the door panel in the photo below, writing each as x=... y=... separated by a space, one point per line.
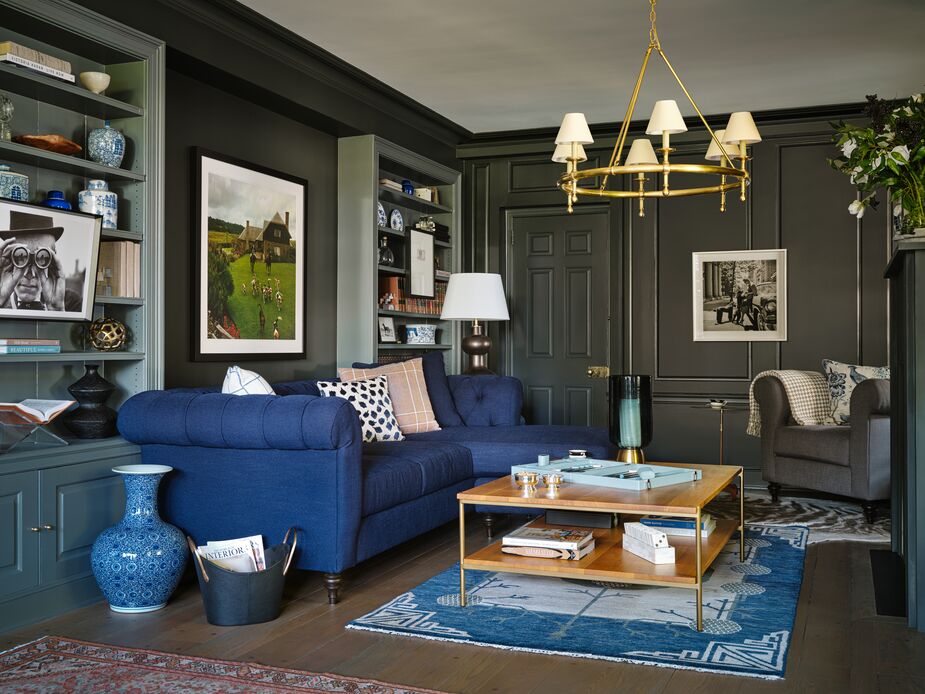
x=560 y=312
x=19 y=563
x=78 y=501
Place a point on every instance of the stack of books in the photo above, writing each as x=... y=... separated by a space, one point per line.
x=21 y=345
x=390 y=184
x=397 y=287
x=549 y=543
x=119 y=269
x=682 y=527
x=648 y=543
x=31 y=59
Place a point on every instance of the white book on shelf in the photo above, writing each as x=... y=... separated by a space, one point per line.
x=656 y=555
x=37 y=67
x=136 y=250
x=643 y=533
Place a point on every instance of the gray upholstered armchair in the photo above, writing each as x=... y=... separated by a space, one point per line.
x=850 y=460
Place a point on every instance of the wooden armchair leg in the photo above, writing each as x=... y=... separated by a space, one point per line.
x=332 y=583
x=774 y=488
x=870 y=511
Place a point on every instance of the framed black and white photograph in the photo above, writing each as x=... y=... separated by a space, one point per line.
x=48 y=262
x=740 y=296
x=387 y=329
x=249 y=259
x=421 y=263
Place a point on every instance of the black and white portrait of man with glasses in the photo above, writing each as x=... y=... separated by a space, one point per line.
x=47 y=263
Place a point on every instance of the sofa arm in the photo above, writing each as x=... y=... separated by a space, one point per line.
x=488 y=400
x=217 y=420
x=869 y=452
x=775 y=413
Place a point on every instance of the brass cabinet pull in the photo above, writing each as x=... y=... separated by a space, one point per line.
x=48 y=526
x=36 y=530
x=598 y=371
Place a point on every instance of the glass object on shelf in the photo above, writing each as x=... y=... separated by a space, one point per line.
x=386 y=256
x=6 y=115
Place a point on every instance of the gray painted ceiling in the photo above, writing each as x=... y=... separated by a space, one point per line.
x=510 y=64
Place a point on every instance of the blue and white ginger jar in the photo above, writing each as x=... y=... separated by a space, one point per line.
x=139 y=561
x=98 y=199
x=13 y=186
x=106 y=145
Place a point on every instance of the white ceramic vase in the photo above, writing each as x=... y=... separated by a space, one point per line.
x=98 y=199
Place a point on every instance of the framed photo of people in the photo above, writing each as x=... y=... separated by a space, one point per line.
x=48 y=262
x=249 y=258
x=740 y=296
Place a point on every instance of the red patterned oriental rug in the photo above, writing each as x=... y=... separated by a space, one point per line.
x=53 y=664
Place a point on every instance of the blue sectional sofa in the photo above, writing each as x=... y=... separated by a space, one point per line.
x=259 y=464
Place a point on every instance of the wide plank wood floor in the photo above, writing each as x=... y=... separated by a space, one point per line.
x=839 y=643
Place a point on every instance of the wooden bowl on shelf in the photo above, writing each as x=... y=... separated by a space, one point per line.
x=53 y=143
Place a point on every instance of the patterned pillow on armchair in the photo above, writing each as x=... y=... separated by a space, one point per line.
x=842 y=378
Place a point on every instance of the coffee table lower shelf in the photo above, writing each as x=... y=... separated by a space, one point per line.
x=609 y=561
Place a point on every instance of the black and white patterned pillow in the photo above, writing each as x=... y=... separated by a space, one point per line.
x=370 y=398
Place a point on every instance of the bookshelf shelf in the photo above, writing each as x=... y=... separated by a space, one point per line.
x=32 y=156
x=389 y=270
x=123 y=300
x=409 y=314
x=121 y=235
x=411 y=202
x=72 y=357
x=393 y=232
x=72 y=97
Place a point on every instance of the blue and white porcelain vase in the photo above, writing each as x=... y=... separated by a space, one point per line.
x=139 y=561
x=56 y=199
x=13 y=186
x=98 y=199
x=106 y=145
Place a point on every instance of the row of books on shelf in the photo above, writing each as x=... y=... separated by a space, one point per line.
x=37 y=61
x=22 y=345
x=394 y=296
x=646 y=538
x=119 y=270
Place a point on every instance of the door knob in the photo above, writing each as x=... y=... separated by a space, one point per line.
x=48 y=527
x=598 y=371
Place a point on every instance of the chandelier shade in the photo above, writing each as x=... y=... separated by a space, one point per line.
x=741 y=128
x=641 y=159
x=641 y=152
x=666 y=118
x=563 y=153
x=575 y=129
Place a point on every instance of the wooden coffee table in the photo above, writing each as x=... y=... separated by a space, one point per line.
x=608 y=561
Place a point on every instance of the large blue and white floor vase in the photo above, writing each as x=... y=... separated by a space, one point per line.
x=749 y=609
x=139 y=561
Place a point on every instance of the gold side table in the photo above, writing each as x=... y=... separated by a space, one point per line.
x=722 y=409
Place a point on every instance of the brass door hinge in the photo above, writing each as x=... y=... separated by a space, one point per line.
x=598 y=371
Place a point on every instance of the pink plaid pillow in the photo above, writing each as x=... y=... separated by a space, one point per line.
x=408 y=392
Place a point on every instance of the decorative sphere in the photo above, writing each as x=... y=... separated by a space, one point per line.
x=107 y=334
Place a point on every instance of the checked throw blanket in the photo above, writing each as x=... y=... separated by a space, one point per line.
x=807 y=391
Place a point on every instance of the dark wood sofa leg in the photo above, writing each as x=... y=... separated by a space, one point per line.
x=870 y=511
x=490 y=520
x=332 y=583
x=774 y=488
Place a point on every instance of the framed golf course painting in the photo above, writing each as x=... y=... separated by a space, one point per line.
x=248 y=260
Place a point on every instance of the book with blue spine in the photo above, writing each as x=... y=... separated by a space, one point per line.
x=30 y=349
x=680 y=526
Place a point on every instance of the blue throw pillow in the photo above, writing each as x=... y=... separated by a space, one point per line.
x=438 y=389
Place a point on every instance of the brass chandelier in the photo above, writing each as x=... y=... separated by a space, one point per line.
x=666 y=120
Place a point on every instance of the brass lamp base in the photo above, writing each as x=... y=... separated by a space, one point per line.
x=633 y=456
x=477 y=347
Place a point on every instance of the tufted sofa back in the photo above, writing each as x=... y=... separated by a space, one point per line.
x=488 y=400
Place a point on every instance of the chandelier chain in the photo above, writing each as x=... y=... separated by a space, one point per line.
x=653 y=34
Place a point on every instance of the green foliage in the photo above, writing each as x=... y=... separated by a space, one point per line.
x=890 y=153
x=216 y=224
x=220 y=284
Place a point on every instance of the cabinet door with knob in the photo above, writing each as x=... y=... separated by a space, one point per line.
x=19 y=532
x=77 y=502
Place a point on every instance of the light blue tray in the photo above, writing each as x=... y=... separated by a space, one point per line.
x=608 y=473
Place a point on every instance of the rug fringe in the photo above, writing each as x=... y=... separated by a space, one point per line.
x=541 y=651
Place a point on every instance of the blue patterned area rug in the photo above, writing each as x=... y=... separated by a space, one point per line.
x=748 y=610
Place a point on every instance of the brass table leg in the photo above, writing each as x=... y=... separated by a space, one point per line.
x=462 y=554
x=699 y=570
x=742 y=514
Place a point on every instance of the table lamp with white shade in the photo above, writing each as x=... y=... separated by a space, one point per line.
x=475 y=296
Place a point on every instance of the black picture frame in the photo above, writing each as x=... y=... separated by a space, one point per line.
x=421 y=277
x=264 y=347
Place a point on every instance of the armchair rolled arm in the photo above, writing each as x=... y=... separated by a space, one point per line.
x=869 y=451
x=775 y=413
x=218 y=420
x=488 y=400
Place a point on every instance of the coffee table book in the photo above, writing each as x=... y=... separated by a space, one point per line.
x=551 y=538
x=608 y=561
